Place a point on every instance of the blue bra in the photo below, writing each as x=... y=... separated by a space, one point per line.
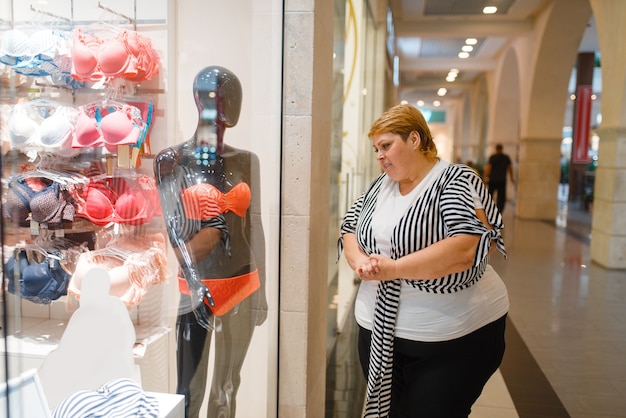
x=38 y=53
x=38 y=282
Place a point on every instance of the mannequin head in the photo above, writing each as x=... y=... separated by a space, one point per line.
x=218 y=95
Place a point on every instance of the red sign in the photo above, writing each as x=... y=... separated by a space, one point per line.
x=580 y=152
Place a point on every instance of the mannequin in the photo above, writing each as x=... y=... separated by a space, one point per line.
x=210 y=197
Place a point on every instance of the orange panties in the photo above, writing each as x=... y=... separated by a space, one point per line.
x=227 y=293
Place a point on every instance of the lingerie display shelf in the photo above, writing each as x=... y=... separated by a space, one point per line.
x=112 y=120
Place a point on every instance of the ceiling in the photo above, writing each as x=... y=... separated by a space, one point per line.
x=429 y=35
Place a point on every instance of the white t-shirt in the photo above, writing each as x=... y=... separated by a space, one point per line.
x=424 y=316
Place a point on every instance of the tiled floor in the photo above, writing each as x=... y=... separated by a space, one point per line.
x=566 y=339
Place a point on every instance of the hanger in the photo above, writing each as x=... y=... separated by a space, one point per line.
x=46 y=168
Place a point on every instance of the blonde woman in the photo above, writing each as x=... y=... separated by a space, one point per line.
x=431 y=311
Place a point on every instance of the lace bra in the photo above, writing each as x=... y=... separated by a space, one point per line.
x=134 y=265
x=204 y=201
x=38 y=201
x=127 y=55
x=41 y=52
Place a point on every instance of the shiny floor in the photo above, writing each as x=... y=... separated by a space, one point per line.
x=566 y=335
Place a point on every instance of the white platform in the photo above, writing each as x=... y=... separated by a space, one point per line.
x=170 y=405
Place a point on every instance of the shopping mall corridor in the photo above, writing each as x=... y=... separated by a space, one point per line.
x=566 y=335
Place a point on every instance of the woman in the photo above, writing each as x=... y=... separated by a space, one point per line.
x=431 y=311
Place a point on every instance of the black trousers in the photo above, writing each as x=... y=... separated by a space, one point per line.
x=440 y=379
x=499 y=188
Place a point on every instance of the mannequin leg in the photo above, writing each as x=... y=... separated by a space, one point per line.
x=231 y=346
x=192 y=354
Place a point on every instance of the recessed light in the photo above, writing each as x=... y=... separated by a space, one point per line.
x=489 y=10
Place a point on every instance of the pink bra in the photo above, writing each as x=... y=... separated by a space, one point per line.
x=128 y=55
x=134 y=266
x=119 y=200
x=108 y=126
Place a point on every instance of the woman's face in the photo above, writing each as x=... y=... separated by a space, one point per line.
x=395 y=156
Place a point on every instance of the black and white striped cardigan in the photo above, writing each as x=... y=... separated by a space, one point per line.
x=445 y=209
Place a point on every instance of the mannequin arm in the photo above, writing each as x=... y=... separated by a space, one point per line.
x=186 y=252
x=201 y=245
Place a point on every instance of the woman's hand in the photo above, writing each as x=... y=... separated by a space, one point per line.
x=377 y=267
x=450 y=255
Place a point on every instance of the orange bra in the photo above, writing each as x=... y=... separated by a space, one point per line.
x=204 y=201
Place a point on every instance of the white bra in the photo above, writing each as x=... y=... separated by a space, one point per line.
x=41 y=124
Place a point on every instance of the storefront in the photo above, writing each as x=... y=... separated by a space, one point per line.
x=112 y=113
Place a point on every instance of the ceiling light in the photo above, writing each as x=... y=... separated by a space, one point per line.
x=489 y=10
x=442 y=91
x=404 y=102
x=420 y=103
x=450 y=78
x=463 y=54
x=471 y=41
x=467 y=48
x=436 y=103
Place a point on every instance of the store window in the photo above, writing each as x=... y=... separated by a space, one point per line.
x=140 y=204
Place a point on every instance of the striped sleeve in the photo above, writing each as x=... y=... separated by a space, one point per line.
x=459 y=212
x=358 y=219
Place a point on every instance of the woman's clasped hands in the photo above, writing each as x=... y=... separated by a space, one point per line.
x=377 y=267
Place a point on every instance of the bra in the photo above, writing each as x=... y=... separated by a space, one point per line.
x=128 y=55
x=204 y=201
x=119 y=200
x=132 y=275
x=108 y=126
x=39 y=282
x=43 y=52
x=50 y=205
x=42 y=124
x=17 y=44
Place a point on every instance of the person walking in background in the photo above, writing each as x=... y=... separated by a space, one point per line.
x=430 y=309
x=498 y=166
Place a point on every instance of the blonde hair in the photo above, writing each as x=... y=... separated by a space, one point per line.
x=402 y=120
